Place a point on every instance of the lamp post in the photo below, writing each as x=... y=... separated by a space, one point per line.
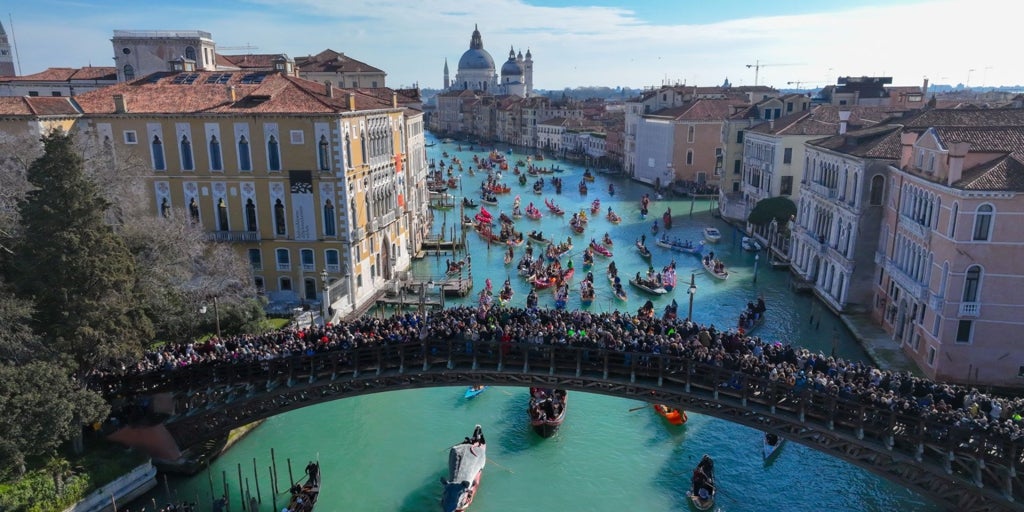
x=216 y=314
x=756 y=257
x=691 y=291
x=325 y=306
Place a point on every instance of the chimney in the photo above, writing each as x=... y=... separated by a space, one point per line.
x=771 y=124
x=120 y=107
x=394 y=99
x=232 y=95
x=351 y=102
x=844 y=117
x=329 y=89
x=957 y=152
x=907 y=140
x=924 y=87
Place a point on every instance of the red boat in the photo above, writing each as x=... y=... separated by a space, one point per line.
x=553 y=207
x=671 y=414
x=600 y=249
x=542 y=283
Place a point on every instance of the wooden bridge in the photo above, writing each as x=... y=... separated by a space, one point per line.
x=956 y=467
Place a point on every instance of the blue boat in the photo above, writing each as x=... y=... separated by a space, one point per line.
x=474 y=391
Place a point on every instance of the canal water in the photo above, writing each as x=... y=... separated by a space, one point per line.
x=386 y=452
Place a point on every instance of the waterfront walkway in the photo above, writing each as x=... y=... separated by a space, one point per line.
x=884 y=352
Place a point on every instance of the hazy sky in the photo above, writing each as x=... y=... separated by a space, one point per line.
x=634 y=43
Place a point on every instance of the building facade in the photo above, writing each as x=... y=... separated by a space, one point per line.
x=342 y=70
x=139 y=53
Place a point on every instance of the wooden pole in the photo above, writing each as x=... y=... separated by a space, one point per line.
x=273 y=465
x=241 y=489
x=291 y=478
x=209 y=476
x=224 y=480
x=273 y=483
x=256 y=479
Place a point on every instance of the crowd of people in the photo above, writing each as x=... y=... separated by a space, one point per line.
x=962 y=410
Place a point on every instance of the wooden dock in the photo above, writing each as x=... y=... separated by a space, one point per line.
x=436 y=246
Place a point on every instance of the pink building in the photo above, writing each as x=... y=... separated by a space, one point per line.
x=950 y=286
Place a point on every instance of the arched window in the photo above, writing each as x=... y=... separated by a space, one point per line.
x=158 y=154
x=330 y=228
x=165 y=208
x=273 y=154
x=972 y=282
x=364 y=148
x=129 y=73
x=244 y=156
x=690 y=134
x=187 y=163
x=877 y=189
x=222 y=215
x=324 y=154
x=193 y=211
x=689 y=157
x=952 y=220
x=348 y=152
x=983 y=222
x=250 y=215
x=216 y=160
x=279 y=221
x=190 y=53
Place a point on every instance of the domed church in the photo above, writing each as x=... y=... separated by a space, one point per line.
x=476 y=71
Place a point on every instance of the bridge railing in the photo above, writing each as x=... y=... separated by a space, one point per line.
x=904 y=431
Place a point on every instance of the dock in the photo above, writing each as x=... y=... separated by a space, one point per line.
x=438 y=246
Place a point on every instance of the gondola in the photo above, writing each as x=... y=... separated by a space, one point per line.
x=648 y=287
x=547 y=410
x=710 y=264
x=468 y=203
x=600 y=249
x=687 y=247
x=645 y=253
x=702 y=485
x=466 y=462
x=770 y=444
x=671 y=414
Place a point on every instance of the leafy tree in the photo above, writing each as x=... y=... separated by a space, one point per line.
x=777 y=208
x=43 y=407
x=71 y=265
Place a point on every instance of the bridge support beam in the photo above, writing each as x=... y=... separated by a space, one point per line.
x=1008 y=484
x=579 y=363
x=551 y=364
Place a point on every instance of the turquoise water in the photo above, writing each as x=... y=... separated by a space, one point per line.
x=385 y=452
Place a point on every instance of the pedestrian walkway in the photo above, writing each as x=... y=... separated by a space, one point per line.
x=885 y=353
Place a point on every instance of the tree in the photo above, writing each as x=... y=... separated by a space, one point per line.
x=774 y=208
x=18 y=344
x=71 y=265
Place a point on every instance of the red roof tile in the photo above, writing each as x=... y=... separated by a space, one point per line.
x=330 y=61
x=31 y=106
x=65 y=74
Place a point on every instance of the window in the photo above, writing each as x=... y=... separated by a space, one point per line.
x=787 y=155
x=250 y=215
x=222 y=215
x=130 y=137
x=284 y=259
x=256 y=259
x=691 y=133
x=297 y=136
x=190 y=53
x=689 y=157
x=279 y=220
x=331 y=260
x=308 y=262
x=257 y=281
x=273 y=154
x=786 y=185
x=983 y=222
x=952 y=220
x=330 y=228
x=739 y=137
x=789 y=107
x=931 y=356
x=244 y=156
x=129 y=72
x=285 y=284
x=877 y=190
x=158 y=154
x=54 y=93
x=323 y=154
x=216 y=159
x=737 y=166
x=964 y=328
x=187 y=163
x=193 y=211
x=348 y=152
x=165 y=208
x=920 y=158
x=33 y=94
x=972 y=281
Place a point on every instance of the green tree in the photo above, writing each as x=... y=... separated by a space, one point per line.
x=777 y=208
x=73 y=268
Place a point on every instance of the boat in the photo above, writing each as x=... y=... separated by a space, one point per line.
x=587 y=175
x=466 y=462
x=648 y=287
x=711 y=263
x=671 y=414
x=607 y=240
x=538 y=237
x=491 y=200
x=554 y=208
x=613 y=218
x=712 y=235
x=752 y=316
x=702 y=484
x=303 y=496
x=474 y=391
x=645 y=253
x=687 y=247
x=587 y=294
x=750 y=244
x=600 y=249
x=547 y=410
x=595 y=206
x=583 y=187
x=770 y=444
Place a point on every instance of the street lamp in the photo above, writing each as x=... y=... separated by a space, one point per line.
x=325 y=306
x=691 y=291
x=216 y=314
x=756 y=257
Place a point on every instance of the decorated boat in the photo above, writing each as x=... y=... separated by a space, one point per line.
x=702 y=484
x=645 y=253
x=466 y=462
x=474 y=391
x=770 y=444
x=553 y=208
x=548 y=281
x=613 y=217
x=712 y=235
x=671 y=414
x=669 y=278
x=715 y=267
x=533 y=213
x=600 y=249
x=547 y=410
x=675 y=244
x=595 y=206
x=648 y=286
x=577 y=225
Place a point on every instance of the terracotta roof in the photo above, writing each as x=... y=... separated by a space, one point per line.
x=250 y=61
x=32 y=106
x=208 y=92
x=1004 y=173
x=699 y=110
x=928 y=118
x=66 y=74
x=882 y=141
x=985 y=139
x=330 y=61
x=823 y=120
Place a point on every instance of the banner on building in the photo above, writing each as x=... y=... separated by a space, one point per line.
x=303 y=206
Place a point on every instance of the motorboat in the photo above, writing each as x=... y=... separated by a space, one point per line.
x=712 y=235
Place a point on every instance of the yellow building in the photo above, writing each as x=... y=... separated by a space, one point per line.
x=30 y=116
x=304 y=178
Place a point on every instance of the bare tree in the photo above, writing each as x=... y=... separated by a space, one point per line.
x=17 y=152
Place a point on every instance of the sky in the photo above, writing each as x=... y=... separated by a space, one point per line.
x=574 y=43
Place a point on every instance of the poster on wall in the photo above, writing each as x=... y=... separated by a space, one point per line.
x=303 y=206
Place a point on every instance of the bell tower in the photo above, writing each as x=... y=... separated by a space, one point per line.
x=6 y=55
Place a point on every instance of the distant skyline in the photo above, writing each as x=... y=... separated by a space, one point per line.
x=574 y=43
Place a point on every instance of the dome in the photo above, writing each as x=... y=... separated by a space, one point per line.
x=476 y=59
x=511 y=68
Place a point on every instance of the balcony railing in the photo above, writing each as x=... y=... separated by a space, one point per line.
x=284 y=267
x=333 y=268
x=913 y=287
x=970 y=309
x=308 y=267
x=913 y=227
x=233 y=236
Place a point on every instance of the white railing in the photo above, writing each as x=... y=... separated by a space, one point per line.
x=308 y=267
x=970 y=309
x=284 y=267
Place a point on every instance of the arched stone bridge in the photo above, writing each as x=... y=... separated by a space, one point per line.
x=960 y=469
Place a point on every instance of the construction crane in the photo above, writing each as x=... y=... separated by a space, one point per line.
x=246 y=47
x=757 y=68
x=798 y=83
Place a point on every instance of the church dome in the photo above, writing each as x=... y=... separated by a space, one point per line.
x=511 y=68
x=476 y=59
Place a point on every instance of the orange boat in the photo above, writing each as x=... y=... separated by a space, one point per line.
x=671 y=414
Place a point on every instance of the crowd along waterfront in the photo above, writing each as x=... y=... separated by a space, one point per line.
x=387 y=452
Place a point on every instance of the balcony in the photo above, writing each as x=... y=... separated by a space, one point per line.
x=308 y=267
x=936 y=302
x=372 y=226
x=284 y=266
x=233 y=236
x=970 y=309
x=358 y=234
x=823 y=191
x=333 y=269
x=912 y=287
